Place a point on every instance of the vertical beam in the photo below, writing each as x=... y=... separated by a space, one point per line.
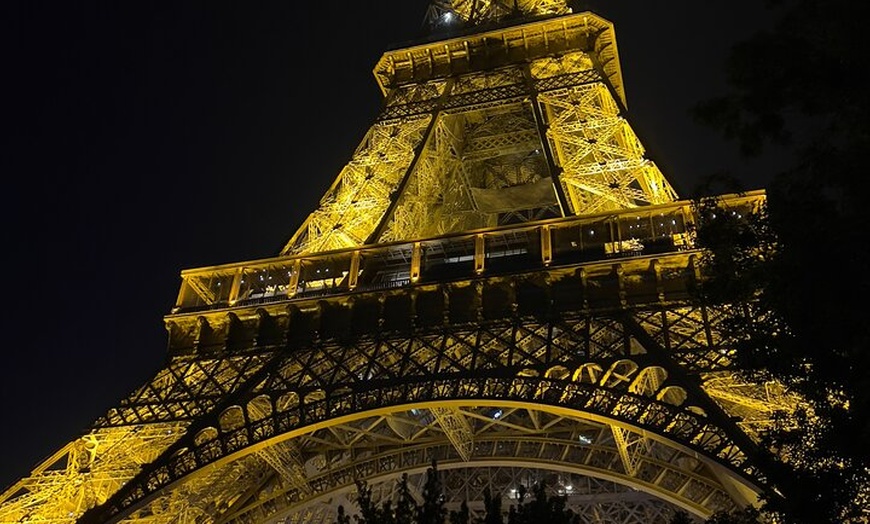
x=415 y=262
x=396 y=194
x=656 y=268
x=584 y=285
x=546 y=245
x=294 y=278
x=457 y=429
x=237 y=283
x=619 y=274
x=353 y=272
x=545 y=142
x=630 y=446
x=479 y=253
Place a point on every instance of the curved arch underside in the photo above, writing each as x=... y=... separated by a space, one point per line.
x=268 y=433
x=245 y=431
x=605 y=468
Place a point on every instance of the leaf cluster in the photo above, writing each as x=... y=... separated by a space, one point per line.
x=533 y=506
x=800 y=265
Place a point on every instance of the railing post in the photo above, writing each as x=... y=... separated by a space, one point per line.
x=294 y=278
x=546 y=245
x=479 y=253
x=237 y=283
x=415 y=262
x=354 y=270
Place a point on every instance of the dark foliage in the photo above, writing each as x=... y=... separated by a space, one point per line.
x=432 y=511
x=462 y=516
x=492 y=508
x=802 y=262
x=746 y=516
x=681 y=517
x=540 y=508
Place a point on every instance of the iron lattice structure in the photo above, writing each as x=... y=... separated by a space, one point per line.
x=539 y=325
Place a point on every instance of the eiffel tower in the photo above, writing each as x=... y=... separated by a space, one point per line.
x=499 y=280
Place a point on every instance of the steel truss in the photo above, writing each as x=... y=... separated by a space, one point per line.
x=538 y=326
x=519 y=124
x=617 y=395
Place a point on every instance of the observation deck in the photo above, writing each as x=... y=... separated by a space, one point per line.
x=653 y=242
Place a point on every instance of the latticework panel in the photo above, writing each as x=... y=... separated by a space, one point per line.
x=602 y=163
x=482 y=168
x=513 y=349
x=85 y=472
x=461 y=141
x=510 y=447
x=354 y=205
x=591 y=370
x=481 y=11
x=599 y=395
x=604 y=344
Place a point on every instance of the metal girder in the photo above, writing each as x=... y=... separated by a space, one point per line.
x=284 y=457
x=358 y=198
x=630 y=445
x=755 y=404
x=457 y=429
x=85 y=472
x=440 y=367
x=578 y=360
x=402 y=169
x=513 y=437
x=481 y=11
x=584 y=362
x=185 y=388
x=602 y=162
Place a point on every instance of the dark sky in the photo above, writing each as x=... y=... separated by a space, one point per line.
x=150 y=137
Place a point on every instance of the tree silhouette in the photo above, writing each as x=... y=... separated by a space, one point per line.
x=539 y=508
x=462 y=516
x=406 y=506
x=492 y=509
x=533 y=506
x=681 y=517
x=432 y=511
x=342 y=517
x=799 y=259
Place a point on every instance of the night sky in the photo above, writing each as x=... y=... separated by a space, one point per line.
x=150 y=137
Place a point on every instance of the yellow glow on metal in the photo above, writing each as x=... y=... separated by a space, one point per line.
x=501 y=163
x=459 y=140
